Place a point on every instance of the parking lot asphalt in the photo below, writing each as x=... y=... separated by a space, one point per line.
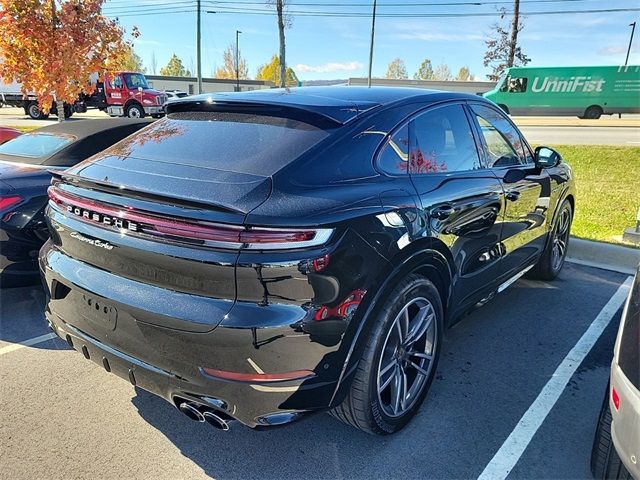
x=65 y=417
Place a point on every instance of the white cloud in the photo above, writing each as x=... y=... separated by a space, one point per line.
x=328 y=67
x=617 y=49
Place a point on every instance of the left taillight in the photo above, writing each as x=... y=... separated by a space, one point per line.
x=9 y=201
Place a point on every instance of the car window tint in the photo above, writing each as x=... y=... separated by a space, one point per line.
x=35 y=145
x=503 y=144
x=239 y=142
x=441 y=141
x=394 y=155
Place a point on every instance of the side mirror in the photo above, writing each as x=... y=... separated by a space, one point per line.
x=546 y=157
x=139 y=89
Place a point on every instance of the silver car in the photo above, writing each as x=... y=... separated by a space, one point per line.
x=616 y=447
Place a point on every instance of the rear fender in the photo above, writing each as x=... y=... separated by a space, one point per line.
x=423 y=258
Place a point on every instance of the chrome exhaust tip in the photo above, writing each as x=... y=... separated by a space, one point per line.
x=191 y=411
x=216 y=421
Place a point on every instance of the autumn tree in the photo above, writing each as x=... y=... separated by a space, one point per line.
x=425 y=72
x=442 y=73
x=271 y=72
x=464 y=75
x=53 y=48
x=503 y=50
x=175 y=68
x=132 y=62
x=284 y=21
x=396 y=70
x=228 y=70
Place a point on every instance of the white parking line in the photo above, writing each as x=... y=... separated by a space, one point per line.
x=27 y=343
x=516 y=443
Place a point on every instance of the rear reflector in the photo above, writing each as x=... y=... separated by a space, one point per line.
x=127 y=220
x=615 y=398
x=259 y=377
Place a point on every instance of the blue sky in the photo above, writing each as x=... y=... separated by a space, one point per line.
x=329 y=47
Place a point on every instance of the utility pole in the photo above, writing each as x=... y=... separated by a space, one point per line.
x=238 y=32
x=513 y=42
x=373 y=30
x=198 y=52
x=633 y=29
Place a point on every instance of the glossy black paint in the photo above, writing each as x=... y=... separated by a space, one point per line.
x=167 y=310
x=23 y=229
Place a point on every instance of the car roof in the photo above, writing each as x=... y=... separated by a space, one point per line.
x=87 y=127
x=340 y=104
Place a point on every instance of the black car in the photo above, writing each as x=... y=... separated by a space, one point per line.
x=276 y=253
x=25 y=163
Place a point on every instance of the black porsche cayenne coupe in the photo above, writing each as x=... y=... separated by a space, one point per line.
x=259 y=256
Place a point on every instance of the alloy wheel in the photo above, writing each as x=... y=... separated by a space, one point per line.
x=407 y=357
x=561 y=239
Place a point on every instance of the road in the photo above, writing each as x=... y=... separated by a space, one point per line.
x=566 y=135
x=65 y=417
x=538 y=130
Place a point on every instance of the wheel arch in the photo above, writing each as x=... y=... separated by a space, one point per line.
x=428 y=257
x=132 y=101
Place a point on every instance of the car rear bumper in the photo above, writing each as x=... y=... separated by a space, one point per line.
x=169 y=362
x=18 y=258
x=625 y=425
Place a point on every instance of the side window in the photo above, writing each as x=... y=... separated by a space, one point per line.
x=503 y=144
x=441 y=140
x=394 y=156
x=116 y=81
x=514 y=84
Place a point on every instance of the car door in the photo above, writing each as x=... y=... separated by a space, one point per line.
x=461 y=200
x=527 y=188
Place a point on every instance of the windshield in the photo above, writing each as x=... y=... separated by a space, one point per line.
x=135 y=80
x=35 y=146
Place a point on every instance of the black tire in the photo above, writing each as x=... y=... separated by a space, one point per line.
x=134 y=111
x=33 y=110
x=504 y=108
x=549 y=266
x=605 y=461
x=594 y=112
x=68 y=111
x=362 y=408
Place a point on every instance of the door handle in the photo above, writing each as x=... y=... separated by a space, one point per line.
x=442 y=212
x=513 y=195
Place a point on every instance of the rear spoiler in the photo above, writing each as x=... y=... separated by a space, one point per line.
x=320 y=115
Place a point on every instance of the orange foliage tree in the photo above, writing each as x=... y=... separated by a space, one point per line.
x=53 y=47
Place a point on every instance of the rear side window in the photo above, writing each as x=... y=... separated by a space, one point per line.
x=238 y=142
x=441 y=140
x=394 y=156
x=35 y=146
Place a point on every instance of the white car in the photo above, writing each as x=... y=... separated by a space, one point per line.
x=616 y=447
x=171 y=94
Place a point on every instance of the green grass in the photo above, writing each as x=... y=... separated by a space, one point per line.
x=608 y=185
x=25 y=129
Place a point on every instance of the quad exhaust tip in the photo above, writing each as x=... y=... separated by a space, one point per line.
x=204 y=414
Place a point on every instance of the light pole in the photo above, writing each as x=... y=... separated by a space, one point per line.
x=373 y=29
x=633 y=29
x=238 y=32
x=198 y=53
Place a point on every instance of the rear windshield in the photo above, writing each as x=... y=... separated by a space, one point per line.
x=35 y=146
x=237 y=142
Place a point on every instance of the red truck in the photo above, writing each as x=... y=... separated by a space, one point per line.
x=125 y=94
x=120 y=94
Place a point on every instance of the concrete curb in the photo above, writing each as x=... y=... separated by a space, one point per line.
x=603 y=255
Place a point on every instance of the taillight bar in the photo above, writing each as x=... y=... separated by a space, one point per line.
x=127 y=220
